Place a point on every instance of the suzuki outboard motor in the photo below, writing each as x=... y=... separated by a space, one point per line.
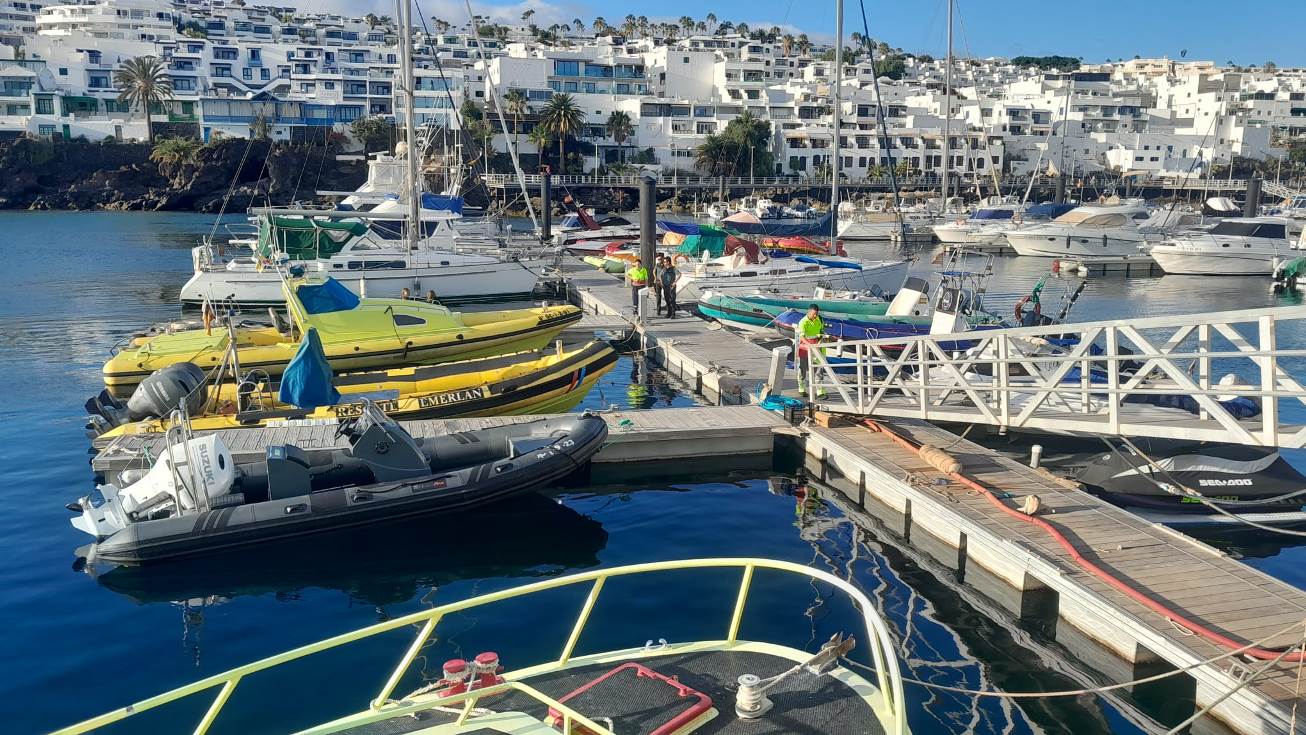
x=165 y=389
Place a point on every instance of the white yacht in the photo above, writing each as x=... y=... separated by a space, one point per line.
x=581 y=226
x=788 y=275
x=1096 y=230
x=1234 y=247
x=985 y=226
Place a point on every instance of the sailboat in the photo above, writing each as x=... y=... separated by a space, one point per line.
x=403 y=245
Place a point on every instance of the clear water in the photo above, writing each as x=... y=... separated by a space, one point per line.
x=74 y=283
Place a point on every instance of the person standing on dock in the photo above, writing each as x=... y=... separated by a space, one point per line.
x=637 y=277
x=659 y=264
x=667 y=285
x=808 y=336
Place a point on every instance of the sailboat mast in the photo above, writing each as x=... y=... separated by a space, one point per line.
x=836 y=157
x=947 y=114
x=410 y=125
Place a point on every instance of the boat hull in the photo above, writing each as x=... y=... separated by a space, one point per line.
x=885 y=277
x=1040 y=244
x=1197 y=263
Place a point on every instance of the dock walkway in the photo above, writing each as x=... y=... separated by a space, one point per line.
x=1191 y=578
x=719 y=364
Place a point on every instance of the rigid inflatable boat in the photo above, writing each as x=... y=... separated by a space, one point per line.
x=544 y=381
x=356 y=333
x=196 y=499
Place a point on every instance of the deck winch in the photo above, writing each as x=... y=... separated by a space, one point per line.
x=751 y=701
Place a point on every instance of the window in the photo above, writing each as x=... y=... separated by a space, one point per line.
x=45 y=131
x=63 y=71
x=307 y=87
x=44 y=106
x=407 y=320
x=264 y=74
x=183 y=85
x=566 y=68
x=247 y=73
x=225 y=54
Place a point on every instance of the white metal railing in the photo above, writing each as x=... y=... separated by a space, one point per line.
x=383 y=707
x=1091 y=380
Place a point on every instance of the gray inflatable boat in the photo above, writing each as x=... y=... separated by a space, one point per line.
x=196 y=499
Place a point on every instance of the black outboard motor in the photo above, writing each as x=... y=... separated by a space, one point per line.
x=165 y=389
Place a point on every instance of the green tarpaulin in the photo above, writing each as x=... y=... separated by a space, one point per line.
x=305 y=239
x=711 y=240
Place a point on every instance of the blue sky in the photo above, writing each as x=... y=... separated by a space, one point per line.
x=1248 y=32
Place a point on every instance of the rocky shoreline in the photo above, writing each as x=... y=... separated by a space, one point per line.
x=77 y=175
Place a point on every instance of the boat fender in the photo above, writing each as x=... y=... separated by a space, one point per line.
x=165 y=389
x=940 y=460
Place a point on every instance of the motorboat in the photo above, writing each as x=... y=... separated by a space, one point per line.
x=198 y=499
x=1099 y=230
x=729 y=672
x=733 y=273
x=756 y=312
x=355 y=332
x=540 y=381
x=580 y=226
x=1234 y=247
x=988 y=226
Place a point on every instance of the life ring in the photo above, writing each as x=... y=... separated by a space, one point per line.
x=679 y=258
x=1020 y=309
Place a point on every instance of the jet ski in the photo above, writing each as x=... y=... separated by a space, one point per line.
x=196 y=499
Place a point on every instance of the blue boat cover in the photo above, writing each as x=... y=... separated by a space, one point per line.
x=815 y=228
x=447 y=203
x=306 y=382
x=828 y=263
x=680 y=228
x=326 y=297
x=1050 y=211
x=993 y=214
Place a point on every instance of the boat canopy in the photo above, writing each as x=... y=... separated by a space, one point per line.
x=326 y=297
x=993 y=214
x=305 y=239
x=1252 y=228
x=679 y=228
x=813 y=228
x=1048 y=211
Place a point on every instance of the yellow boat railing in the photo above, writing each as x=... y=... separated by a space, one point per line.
x=889 y=679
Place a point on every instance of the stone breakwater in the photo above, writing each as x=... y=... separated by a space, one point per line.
x=75 y=175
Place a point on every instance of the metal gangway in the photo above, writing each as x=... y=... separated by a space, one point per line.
x=1164 y=377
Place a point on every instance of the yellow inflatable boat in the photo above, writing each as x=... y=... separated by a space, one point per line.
x=356 y=333
x=543 y=381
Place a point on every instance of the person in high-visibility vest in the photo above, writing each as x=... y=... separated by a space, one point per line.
x=807 y=337
x=637 y=277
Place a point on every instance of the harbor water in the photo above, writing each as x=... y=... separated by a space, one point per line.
x=74 y=283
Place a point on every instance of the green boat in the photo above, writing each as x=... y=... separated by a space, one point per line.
x=756 y=312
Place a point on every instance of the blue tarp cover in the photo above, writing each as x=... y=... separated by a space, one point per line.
x=307 y=380
x=438 y=201
x=326 y=297
x=680 y=228
x=828 y=263
x=993 y=214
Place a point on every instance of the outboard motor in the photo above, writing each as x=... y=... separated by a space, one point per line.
x=165 y=389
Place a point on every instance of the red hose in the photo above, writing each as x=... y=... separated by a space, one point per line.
x=1220 y=639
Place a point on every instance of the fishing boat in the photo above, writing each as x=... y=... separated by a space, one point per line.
x=716 y=681
x=197 y=499
x=356 y=333
x=543 y=381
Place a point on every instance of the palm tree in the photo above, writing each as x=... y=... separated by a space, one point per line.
x=711 y=20
x=172 y=152
x=578 y=24
x=371 y=20
x=714 y=156
x=514 y=103
x=143 y=82
x=620 y=128
x=563 y=117
x=526 y=15
x=540 y=137
x=804 y=44
x=687 y=23
x=600 y=25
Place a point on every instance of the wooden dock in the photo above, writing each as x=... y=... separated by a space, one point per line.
x=633 y=436
x=962 y=528
x=1108 y=265
x=722 y=366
